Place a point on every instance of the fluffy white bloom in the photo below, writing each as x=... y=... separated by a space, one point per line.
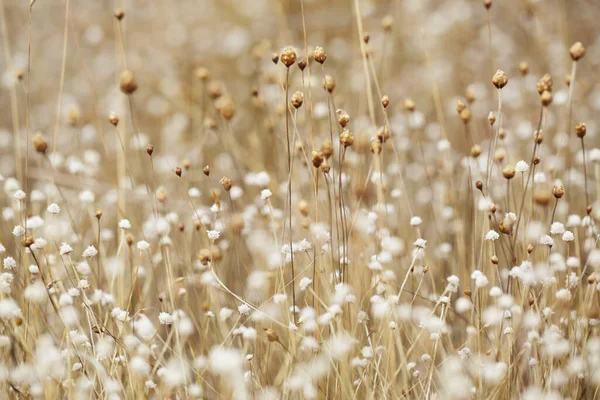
x=557 y=228
x=492 y=235
x=165 y=318
x=9 y=263
x=415 y=221
x=304 y=283
x=213 y=235
x=568 y=236
x=521 y=166
x=143 y=245
x=18 y=230
x=65 y=248
x=563 y=295
x=265 y=194
x=90 y=251
x=124 y=224
x=53 y=208
x=19 y=195
x=420 y=243
x=547 y=241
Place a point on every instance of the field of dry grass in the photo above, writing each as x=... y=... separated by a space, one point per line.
x=299 y=199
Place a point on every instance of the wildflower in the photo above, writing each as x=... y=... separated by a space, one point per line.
x=165 y=318
x=9 y=263
x=521 y=166
x=53 y=208
x=265 y=194
x=19 y=195
x=547 y=241
x=568 y=236
x=420 y=243
x=213 y=235
x=18 y=231
x=415 y=221
x=90 y=251
x=65 y=248
x=304 y=283
x=124 y=224
x=143 y=245
x=492 y=235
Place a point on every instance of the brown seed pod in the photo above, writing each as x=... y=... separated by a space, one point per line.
x=385 y=101
x=119 y=14
x=479 y=185
x=523 y=67
x=275 y=58
x=39 y=143
x=487 y=4
x=546 y=98
x=460 y=106
x=297 y=100
x=541 y=197
x=580 y=129
x=317 y=158
x=271 y=335
x=303 y=207
x=558 y=191
x=327 y=148
x=376 y=146
x=202 y=73
x=577 y=51
x=499 y=79
x=494 y=259
x=27 y=241
x=342 y=117
x=491 y=118
x=226 y=183
x=508 y=172
x=128 y=83
x=319 y=55
x=288 y=56
x=475 y=151
x=346 y=138
x=465 y=115
x=329 y=83
x=544 y=84
x=113 y=118
x=206 y=170
x=205 y=257
x=178 y=171
x=325 y=167
x=409 y=105
x=150 y=149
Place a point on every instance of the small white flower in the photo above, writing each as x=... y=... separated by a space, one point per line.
x=492 y=235
x=124 y=224
x=9 y=263
x=87 y=197
x=65 y=248
x=521 y=166
x=304 y=283
x=165 y=318
x=143 y=245
x=90 y=251
x=265 y=194
x=415 y=221
x=244 y=309
x=53 y=208
x=420 y=243
x=83 y=284
x=563 y=295
x=19 y=195
x=547 y=240
x=18 y=230
x=213 y=235
x=557 y=228
x=568 y=236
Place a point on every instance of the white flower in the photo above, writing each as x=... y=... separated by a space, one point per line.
x=143 y=245
x=415 y=221
x=420 y=243
x=87 y=197
x=165 y=318
x=492 y=235
x=65 y=249
x=53 y=208
x=90 y=251
x=213 y=235
x=9 y=263
x=521 y=166
x=304 y=283
x=265 y=194
x=563 y=295
x=481 y=281
x=568 y=236
x=547 y=240
x=18 y=230
x=194 y=192
x=557 y=228
x=83 y=284
x=19 y=195
x=244 y=309
x=124 y=224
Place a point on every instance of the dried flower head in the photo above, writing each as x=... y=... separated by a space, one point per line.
x=128 y=83
x=499 y=79
x=577 y=51
x=288 y=56
x=319 y=55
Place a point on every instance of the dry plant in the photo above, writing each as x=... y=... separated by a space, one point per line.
x=302 y=199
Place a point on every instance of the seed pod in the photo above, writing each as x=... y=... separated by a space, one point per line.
x=342 y=117
x=317 y=158
x=487 y=4
x=558 y=191
x=544 y=84
x=303 y=207
x=499 y=79
x=492 y=118
x=465 y=115
x=479 y=185
x=288 y=56
x=226 y=183
x=524 y=68
x=202 y=73
x=271 y=335
x=376 y=146
x=325 y=167
x=205 y=256
x=508 y=172
x=27 y=241
x=206 y=170
x=113 y=118
x=460 y=106
x=275 y=58
x=409 y=105
x=580 y=129
x=475 y=151
x=302 y=64
x=494 y=259
x=329 y=83
x=39 y=143
x=320 y=55
x=385 y=101
x=178 y=171
x=327 y=148
x=297 y=100
x=128 y=82
x=150 y=149
x=577 y=51
x=119 y=14
x=346 y=138
x=546 y=98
